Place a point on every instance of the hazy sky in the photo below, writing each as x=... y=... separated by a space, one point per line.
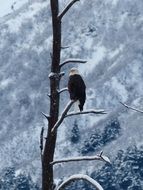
x=5 y=6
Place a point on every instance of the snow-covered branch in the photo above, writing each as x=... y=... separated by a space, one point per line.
x=83 y=158
x=56 y=75
x=60 y=16
x=79 y=177
x=132 y=108
x=65 y=47
x=62 y=116
x=86 y=112
x=62 y=90
x=61 y=74
x=72 y=61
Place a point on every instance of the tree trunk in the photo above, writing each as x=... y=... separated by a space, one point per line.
x=48 y=154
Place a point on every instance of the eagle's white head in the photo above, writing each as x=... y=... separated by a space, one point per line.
x=73 y=71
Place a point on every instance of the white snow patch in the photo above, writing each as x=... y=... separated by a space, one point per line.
x=97 y=56
x=17 y=172
x=119 y=88
x=114 y=53
x=76 y=49
x=4 y=83
x=19 y=3
x=136 y=69
x=37 y=6
x=6 y=6
x=48 y=43
x=122 y=20
x=26 y=64
x=138 y=103
x=51 y=74
x=140 y=19
x=15 y=23
x=114 y=2
x=88 y=43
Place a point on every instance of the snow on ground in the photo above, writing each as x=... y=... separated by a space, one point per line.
x=114 y=2
x=88 y=42
x=99 y=53
x=16 y=146
x=120 y=89
x=15 y=23
x=115 y=52
x=122 y=20
x=7 y=5
x=4 y=83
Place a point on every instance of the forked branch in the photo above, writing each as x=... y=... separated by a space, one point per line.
x=62 y=116
x=83 y=158
x=72 y=61
x=67 y=108
x=80 y=177
x=60 y=16
x=132 y=108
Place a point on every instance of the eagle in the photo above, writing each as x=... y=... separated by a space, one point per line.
x=77 y=87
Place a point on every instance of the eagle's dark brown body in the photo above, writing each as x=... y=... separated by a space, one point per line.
x=77 y=89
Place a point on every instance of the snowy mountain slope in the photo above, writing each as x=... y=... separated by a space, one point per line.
x=18 y=81
x=107 y=34
x=9 y=6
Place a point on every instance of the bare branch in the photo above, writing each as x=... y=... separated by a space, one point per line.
x=132 y=108
x=79 y=177
x=41 y=140
x=62 y=74
x=49 y=95
x=83 y=158
x=63 y=90
x=46 y=116
x=105 y=158
x=72 y=61
x=62 y=116
x=51 y=55
x=60 y=16
x=86 y=112
x=101 y=153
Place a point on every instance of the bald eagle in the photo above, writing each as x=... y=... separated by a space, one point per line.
x=77 y=88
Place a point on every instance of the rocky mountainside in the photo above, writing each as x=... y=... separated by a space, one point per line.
x=109 y=35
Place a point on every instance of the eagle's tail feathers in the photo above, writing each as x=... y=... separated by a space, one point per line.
x=76 y=106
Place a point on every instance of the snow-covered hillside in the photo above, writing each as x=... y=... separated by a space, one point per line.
x=9 y=6
x=109 y=35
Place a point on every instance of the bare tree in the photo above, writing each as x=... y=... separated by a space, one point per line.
x=54 y=120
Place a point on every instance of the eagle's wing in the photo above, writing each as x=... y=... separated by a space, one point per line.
x=72 y=88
